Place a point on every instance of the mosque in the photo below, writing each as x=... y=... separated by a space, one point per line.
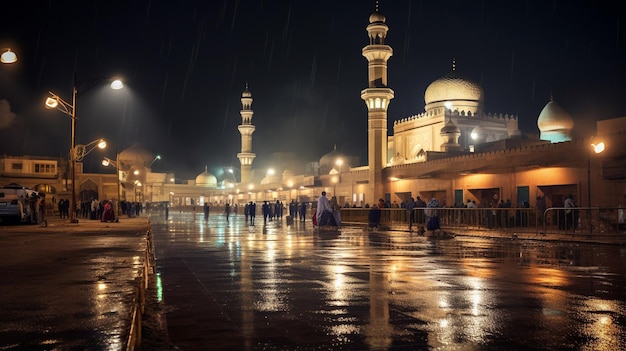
x=453 y=151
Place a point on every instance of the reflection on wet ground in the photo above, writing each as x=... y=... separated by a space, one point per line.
x=279 y=287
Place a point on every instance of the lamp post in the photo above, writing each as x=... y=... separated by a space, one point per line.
x=339 y=163
x=596 y=148
x=157 y=157
x=106 y=162
x=55 y=102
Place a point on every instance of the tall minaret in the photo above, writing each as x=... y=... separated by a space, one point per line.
x=246 y=129
x=377 y=97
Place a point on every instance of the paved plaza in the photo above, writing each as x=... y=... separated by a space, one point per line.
x=232 y=286
x=70 y=286
x=222 y=285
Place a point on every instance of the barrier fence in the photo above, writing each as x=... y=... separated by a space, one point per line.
x=584 y=220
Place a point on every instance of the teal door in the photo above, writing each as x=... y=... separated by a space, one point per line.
x=458 y=198
x=523 y=194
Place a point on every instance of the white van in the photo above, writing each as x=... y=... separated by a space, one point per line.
x=18 y=205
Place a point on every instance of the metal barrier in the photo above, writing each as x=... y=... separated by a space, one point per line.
x=586 y=220
x=139 y=299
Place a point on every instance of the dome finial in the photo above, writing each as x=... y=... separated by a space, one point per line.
x=376 y=5
x=453 y=64
x=334 y=147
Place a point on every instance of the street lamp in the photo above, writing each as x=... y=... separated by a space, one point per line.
x=158 y=157
x=596 y=148
x=8 y=56
x=55 y=102
x=334 y=179
x=339 y=163
x=80 y=151
x=106 y=162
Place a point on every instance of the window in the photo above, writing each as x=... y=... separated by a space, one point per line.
x=16 y=166
x=45 y=168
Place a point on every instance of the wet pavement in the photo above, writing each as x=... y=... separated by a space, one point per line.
x=69 y=286
x=231 y=286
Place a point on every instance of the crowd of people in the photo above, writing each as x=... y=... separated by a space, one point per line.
x=95 y=209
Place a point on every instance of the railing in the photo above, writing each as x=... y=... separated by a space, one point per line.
x=134 y=334
x=585 y=220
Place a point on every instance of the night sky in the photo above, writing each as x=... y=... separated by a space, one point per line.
x=185 y=64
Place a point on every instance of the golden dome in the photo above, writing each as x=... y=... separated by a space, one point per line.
x=136 y=156
x=377 y=17
x=246 y=93
x=554 y=117
x=555 y=123
x=453 y=87
x=206 y=179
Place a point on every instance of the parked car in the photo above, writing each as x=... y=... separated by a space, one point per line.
x=18 y=205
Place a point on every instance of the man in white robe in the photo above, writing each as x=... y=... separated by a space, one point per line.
x=322 y=205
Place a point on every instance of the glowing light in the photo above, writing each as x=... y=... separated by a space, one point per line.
x=598 y=148
x=117 y=84
x=52 y=102
x=8 y=57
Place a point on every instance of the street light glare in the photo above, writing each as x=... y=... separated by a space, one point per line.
x=598 y=148
x=102 y=144
x=52 y=103
x=105 y=163
x=117 y=84
x=8 y=56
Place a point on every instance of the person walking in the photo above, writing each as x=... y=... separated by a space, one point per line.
x=265 y=209
x=252 y=212
x=569 y=213
x=227 y=211
x=207 y=208
x=410 y=206
x=302 y=211
x=61 y=206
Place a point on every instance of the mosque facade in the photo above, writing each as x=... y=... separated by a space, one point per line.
x=453 y=151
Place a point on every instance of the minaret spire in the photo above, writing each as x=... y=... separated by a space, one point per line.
x=377 y=97
x=246 y=128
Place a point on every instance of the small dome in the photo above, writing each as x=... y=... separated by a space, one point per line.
x=453 y=87
x=555 y=124
x=206 y=179
x=450 y=128
x=554 y=117
x=328 y=162
x=377 y=17
x=135 y=156
x=246 y=93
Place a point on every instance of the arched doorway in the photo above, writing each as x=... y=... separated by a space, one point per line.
x=88 y=191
